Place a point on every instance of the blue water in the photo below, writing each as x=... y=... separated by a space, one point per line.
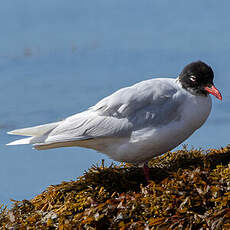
x=58 y=58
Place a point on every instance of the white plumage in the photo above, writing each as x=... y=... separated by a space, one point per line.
x=132 y=125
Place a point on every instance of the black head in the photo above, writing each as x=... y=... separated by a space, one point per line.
x=197 y=77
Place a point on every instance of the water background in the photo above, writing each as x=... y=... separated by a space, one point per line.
x=58 y=58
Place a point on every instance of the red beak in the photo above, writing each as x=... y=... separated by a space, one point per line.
x=214 y=91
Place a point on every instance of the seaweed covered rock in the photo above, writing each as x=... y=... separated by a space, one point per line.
x=188 y=190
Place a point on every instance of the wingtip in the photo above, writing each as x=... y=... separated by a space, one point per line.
x=18 y=132
x=10 y=133
x=13 y=132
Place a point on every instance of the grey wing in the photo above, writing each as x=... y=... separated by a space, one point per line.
x=87 y=126
x=154 y=115
x=152 y=102
x=121 y=113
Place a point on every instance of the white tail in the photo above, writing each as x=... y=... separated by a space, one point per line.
x=34 y=133
x=23 y=141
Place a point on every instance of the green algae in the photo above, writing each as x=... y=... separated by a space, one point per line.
x=188 y=190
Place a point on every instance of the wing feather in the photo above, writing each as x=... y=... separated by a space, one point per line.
x=126 y=110
x=150 y=103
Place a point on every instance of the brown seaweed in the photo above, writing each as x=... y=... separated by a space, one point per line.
x=188 y=190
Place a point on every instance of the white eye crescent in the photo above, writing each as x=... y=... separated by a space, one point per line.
x=192 y=78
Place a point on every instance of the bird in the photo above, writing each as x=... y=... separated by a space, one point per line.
x=135 y=123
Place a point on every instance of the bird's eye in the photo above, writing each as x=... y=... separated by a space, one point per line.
x=192 y=78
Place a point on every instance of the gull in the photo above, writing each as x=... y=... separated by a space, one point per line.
x=135 y=123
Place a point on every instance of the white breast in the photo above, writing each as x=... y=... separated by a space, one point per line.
x=146 y=143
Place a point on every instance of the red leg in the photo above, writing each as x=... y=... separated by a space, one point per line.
x=146 y=172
